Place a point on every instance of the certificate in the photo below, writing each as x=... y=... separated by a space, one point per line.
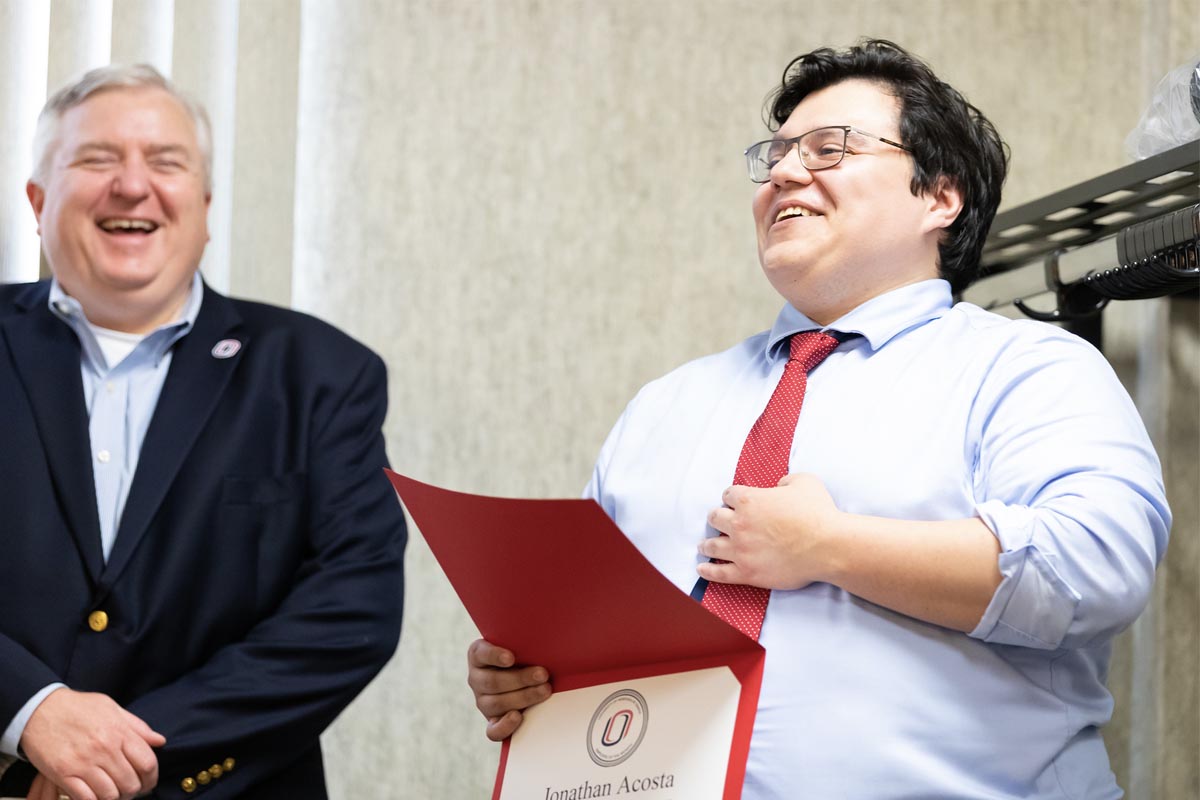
x=654 y=697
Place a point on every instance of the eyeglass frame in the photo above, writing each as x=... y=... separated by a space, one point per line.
x=795 y=140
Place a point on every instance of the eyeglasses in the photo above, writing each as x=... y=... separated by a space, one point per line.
x=819 y=149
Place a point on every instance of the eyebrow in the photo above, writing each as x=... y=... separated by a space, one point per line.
x=168 y=149
x=111 y=148
x=88 y=147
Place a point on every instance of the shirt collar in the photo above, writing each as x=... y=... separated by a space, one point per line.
x=68 y=309
x=878 y=320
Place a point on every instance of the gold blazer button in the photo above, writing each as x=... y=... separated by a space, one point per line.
x=98 y=621
x=203 y=778
x=188 y=785
x=229 y=764
x=216 y=771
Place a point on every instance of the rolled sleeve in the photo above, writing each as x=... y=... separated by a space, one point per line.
x=1034 y=605
x=1069 y=483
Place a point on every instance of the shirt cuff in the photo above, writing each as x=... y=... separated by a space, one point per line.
x=11 y=741
x=1033 y=606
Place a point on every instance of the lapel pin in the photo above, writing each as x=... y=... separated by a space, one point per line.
x=226 y=348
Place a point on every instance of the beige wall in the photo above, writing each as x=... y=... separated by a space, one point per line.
x=531 y=207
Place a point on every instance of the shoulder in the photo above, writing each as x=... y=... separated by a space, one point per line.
x=1029 y=338
x=302 y=337
x=983 y=336
x=1034 y=367
x=17 y=297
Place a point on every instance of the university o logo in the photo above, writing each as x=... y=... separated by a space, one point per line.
x=617 y=727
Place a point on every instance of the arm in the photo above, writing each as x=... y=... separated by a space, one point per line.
x=785 y=538
x=1068 y=481
x=263 y=700
x=1066 y=485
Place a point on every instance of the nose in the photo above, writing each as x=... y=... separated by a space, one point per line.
x=790 y=168
x=132 y=180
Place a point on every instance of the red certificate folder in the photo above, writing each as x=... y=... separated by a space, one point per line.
x=558 y=584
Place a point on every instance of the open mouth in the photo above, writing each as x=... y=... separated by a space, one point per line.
x=128 y=227
x=795 y=211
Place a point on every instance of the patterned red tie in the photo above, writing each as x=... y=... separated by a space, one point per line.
x=763 y=462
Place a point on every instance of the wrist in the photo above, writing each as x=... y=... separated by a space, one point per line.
x=830 y=558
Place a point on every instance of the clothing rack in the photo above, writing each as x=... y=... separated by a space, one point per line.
x=1129 y=234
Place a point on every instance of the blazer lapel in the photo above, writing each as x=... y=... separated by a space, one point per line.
x=192 y=388
x=46 y=354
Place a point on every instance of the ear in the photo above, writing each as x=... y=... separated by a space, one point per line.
x=943 y=204
x=37 y=199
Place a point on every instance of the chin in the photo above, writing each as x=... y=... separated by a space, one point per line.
x=790 y=274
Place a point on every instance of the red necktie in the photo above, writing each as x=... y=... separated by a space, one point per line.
x=763 y=462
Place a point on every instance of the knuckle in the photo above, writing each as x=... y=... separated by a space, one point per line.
x=493 y=705
x=484 y=682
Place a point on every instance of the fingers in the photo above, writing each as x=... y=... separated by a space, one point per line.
x=503 y=727
x=720 y=547
x=490 y=671
x=483 y=653
x=491 y=680
x=117 y=781
x=141 y=756
x=494 y=706
x=77 y=789
x=733 y=496
x=152 y=737
x=92 y=748
x=42 y=789
x=503 y=690
x=720 y=573
x=145 y=765
x=722 y=519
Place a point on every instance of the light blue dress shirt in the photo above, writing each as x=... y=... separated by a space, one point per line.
x=120 y=399
x=936 y=412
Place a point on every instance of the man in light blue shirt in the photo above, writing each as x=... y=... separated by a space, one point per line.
x=973 y=508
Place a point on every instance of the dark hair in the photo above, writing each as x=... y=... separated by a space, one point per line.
x=949 y=138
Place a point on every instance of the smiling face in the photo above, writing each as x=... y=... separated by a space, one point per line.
x=122 y=210
x=832 y=239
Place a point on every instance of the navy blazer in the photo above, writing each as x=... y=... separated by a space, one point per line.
x=255 y=585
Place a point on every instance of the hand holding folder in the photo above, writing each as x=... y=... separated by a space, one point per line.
x=652 y=693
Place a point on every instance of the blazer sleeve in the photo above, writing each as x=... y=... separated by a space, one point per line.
x=22 y=675
x=264 y=700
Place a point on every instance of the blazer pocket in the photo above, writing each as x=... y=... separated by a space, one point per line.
x=241 y=490
x=272 y=510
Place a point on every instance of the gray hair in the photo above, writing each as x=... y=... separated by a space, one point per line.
x=110 y=78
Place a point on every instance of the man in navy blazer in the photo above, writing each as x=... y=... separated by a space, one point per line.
x=201 y=557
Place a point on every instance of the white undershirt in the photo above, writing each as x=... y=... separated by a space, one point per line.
x=115 y=344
